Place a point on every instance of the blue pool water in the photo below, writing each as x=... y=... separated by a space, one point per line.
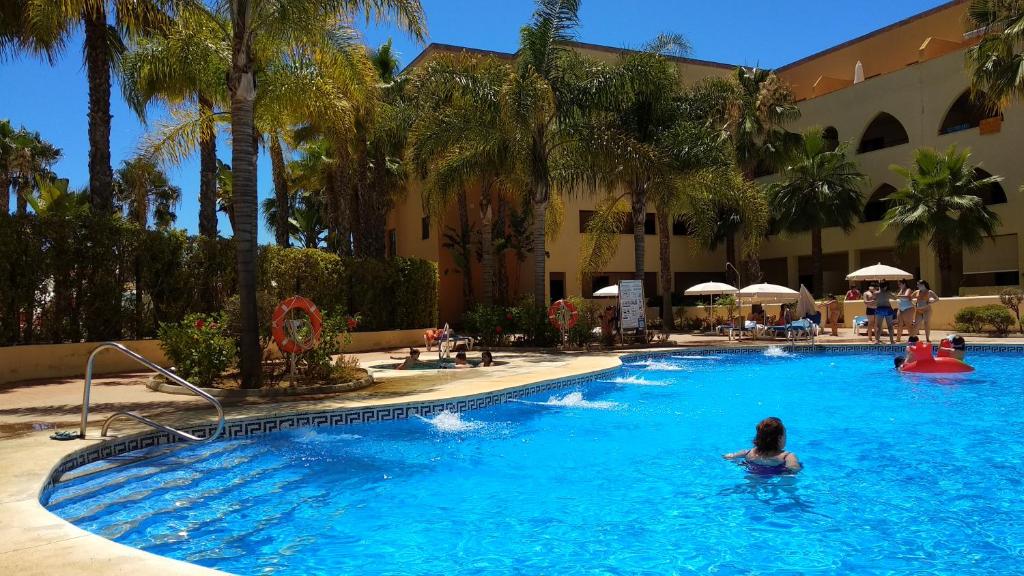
x=622 y=476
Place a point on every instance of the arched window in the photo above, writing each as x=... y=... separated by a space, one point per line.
x=876 y=206
x=967 y=112
x=884 y=131
x=993 y=193
x=831 y=136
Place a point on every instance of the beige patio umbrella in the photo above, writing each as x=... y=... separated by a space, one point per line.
x=879 y=272
x=710 y=289
x=761 y=293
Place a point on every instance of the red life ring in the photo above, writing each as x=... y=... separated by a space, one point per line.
x=556 y=317
x=925 y=363
x=284 y=341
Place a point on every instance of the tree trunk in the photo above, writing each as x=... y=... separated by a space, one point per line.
x=500 y=270
x=466 y=247
x=5 y=194
x=540 y=209
x=97 y=63
x=730 y=250
x=22 y=192
x=280 y=176
x=486 y=246
x=945 y=254
x=243 y=162
x=639 y=201
x=665 y=260
x=816 y=268
x=207 y=175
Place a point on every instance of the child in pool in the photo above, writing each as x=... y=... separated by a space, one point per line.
x=408 y=362
x=897 y=362
x=769 y=452
x=911 y=343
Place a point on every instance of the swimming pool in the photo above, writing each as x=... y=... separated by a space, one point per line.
x=623 y=475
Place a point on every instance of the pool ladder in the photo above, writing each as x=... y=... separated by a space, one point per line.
x=167 y=374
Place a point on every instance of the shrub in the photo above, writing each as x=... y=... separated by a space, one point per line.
x=489 y=324
x=307 y=272
x=582 y=334
x=976 y=318
x=200 y=346
x=319 y=362
x=532 y=324
x=395 y=293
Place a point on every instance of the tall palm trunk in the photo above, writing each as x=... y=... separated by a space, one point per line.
x=243 y=161
x=97 y=62
x=500 y=269
x=486 y=247
x=279 y=174
x=466 y=248
x=730 y=249
x=665 y=262
x=639 y=198
x=944 y=252
x=540 y=211
x=22 y=192
x=207 y=175
x=5 y=193
x=816 y=267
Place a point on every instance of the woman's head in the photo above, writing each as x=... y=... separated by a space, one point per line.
x=922 y=285
x=486 y=357
x=414 y=352
x=902 y=284
x=460 y=357
x=771 y=436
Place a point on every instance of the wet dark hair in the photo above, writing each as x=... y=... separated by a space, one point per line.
x=927 y=287
x=769 y=436
x=460 y=356
x=414 y=351
x=898 y=361
x=958 y=342
x=913 y=340
x=486 y=354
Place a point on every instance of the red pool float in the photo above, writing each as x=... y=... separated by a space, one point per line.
x=925 y=363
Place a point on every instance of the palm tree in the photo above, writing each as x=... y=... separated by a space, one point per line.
x=757 y=111
x=141 y=187
x=29 y=156
x=460 y=140
x=7 y=135
x=184 y=66
x=820 y=187
x=995 y=62
x=941 y=202
x=261 y=20
x=46 y=28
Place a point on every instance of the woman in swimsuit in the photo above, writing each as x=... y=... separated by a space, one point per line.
x=923 y=299
x=884 y=314
x=768 y=456
x=905 y=315
x=869 y=308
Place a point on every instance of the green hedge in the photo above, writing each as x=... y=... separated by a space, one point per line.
x=75 y=275
x=995 y=317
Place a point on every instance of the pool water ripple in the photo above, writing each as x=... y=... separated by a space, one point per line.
x=903 y=475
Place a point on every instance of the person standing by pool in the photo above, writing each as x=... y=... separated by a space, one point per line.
x=768 y=456
x=905 y=314
x=923 y=299
x=869 y=309
x=852 y=294
x=884 y=314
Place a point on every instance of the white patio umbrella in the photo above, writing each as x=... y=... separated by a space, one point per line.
x=768 y=293
x=710 y=289
x=879 y=272
x=805 y=305
x=608 y=292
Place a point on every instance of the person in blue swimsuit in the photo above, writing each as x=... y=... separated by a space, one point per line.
x=768 y=456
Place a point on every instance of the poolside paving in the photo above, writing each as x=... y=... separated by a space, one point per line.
x=34 y=541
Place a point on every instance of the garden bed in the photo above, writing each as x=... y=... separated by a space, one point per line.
x=280 y=390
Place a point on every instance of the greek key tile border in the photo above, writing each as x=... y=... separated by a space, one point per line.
x=807 y=349
x=342 y=417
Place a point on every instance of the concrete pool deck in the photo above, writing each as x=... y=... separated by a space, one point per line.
x=34 y=541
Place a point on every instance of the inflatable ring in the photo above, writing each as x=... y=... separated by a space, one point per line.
x=925 y=363
x=563 y=314
x=285 y=341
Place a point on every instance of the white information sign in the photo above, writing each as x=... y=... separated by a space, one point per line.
x=631 y=305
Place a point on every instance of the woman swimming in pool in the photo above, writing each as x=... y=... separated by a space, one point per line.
x=768 y=456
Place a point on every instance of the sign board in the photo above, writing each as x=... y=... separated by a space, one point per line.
x=631 y=305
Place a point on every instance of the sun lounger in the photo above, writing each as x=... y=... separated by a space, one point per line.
x=860 y=322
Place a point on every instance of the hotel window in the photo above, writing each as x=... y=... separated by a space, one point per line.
x=425 y=228
x=991 y=194
x=885 y=131
x=968 y=112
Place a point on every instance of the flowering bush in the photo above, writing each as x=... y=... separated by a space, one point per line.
x=489 y=324
x=200 y=346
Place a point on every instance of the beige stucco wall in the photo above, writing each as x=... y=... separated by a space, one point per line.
x=367 y=341
x=68 y=360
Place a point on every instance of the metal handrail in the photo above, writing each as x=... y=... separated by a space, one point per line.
x=167 y=374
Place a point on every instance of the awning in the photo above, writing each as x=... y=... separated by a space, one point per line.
x=998 y=256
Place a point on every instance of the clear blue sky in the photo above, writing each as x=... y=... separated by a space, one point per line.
x=52 y=99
